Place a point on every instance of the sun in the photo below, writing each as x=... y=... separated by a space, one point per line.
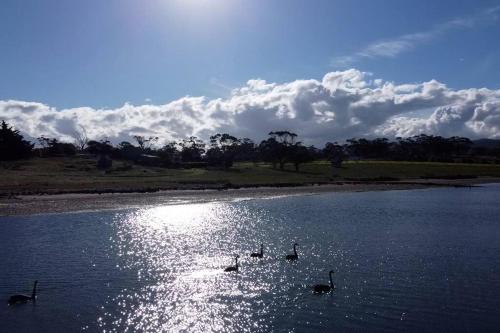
x=201 y=4
x=200 y=16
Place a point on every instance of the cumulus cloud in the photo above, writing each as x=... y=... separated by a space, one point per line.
x=342 y=105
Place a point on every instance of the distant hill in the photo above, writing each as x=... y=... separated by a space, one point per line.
x=486 y=143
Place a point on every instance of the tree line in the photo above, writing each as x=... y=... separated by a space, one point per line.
x=222 y=150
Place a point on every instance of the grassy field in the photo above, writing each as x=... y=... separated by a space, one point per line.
x=79 y=174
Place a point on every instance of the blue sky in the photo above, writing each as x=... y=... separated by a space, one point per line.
x=326 y=69
x=104 y=53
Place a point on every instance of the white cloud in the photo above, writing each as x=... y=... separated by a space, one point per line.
x=342 y=105
x=393 y=47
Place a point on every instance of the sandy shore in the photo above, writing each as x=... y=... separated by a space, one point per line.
x=59 y=203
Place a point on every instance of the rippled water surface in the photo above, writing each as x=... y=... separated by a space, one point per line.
x=425 y=260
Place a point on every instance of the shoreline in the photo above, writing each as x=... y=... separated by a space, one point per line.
x=81 y=202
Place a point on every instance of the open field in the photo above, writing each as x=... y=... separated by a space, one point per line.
x=79 y=174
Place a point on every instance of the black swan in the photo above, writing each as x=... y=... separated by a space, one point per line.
x=324 y=288
x=232 y=268
x=14 y=299
x=293 y=256
x=258 y=255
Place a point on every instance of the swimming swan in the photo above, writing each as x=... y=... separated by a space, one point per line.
x=232 y=268
x=14 y=299
x=324 y=288
x=258 y=255
x=293 y=256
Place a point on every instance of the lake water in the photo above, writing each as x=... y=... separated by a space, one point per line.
x=404 y=261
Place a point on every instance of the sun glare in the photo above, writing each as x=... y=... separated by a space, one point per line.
x=197 y=4
x=203 y=8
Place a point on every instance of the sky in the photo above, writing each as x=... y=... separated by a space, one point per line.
x=326 y=69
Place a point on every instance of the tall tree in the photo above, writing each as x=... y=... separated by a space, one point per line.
x=169 y=154
x=81 y=138
x=278 y=149
x=272 y=151
x=286 y=138
x=335 y=154
x=145 y=143
x=192 y=149
x=300 y=154
x=223 y=149
x=247 y=151
x=12 y=144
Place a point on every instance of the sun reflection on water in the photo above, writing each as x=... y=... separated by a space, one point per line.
x=176 y=218
x=178 y=252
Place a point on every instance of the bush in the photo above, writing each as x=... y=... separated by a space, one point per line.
x=104 y=162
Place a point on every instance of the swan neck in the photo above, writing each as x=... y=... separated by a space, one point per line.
x=33 y=294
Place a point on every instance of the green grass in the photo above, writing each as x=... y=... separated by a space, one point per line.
x=406 y=170
x=78 y=174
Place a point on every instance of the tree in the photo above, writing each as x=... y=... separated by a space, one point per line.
x=247 y=151
x=224 y=141
x=271 y=151
x=192 y=149
x=335 y=154
x=128 y=151
x=81 y=138
x=223 y=149
x=102 y=147
x=12 y=144
x=461 y=145
x=169 y=154
x=278 y=149
x=300 y=154
x=284 y=137
x=365 y=148
x=145 y=143
x=52 y=147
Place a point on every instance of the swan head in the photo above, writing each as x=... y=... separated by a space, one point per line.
x=331 y=272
